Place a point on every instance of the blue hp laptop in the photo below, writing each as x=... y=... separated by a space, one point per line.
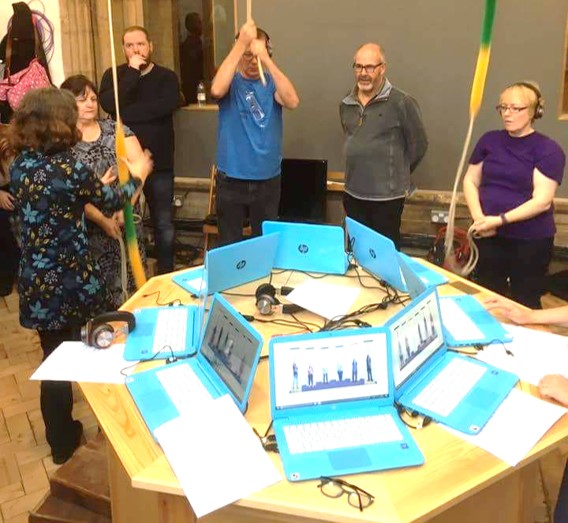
x=309 y=247
x=465 y=321
x=239 y=263
x=332 y=404
x=167 y=331
x=453 y=389
x=225 y=364
x=377 y=254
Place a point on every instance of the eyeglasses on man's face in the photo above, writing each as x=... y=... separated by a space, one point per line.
x=335 y=488
x=369 y=68
x=513 y=109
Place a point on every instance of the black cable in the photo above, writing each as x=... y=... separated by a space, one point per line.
x=176 y=301
x=170 y=359
x=402 y=411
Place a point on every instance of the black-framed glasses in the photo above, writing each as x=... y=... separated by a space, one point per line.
x=502 y=108
x=335 y=488
x=369 y=68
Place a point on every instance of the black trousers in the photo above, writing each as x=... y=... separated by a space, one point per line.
x=382 y=216
x=56 y=397
x=515 y=268
x=159 y=192
x=238 y=199
x=10 y=254
x=561 y=510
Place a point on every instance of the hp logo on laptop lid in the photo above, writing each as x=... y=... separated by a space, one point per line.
x=372 y=253
x=241 y=264
x=303 y=248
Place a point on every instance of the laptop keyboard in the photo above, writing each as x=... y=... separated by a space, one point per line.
x=171 y=328
x=342 y=433
x=184 y=388
x=449 y=387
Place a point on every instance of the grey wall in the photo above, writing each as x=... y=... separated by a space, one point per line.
x=431 y=48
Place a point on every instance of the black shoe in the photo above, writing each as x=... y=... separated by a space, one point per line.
x=60 y=456
x=6 y=288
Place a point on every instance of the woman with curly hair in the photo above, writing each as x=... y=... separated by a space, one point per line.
x=59 y=283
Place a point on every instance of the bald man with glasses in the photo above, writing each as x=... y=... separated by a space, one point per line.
x=385 y=140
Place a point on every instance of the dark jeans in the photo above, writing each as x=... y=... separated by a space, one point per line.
x=56 y=397
x=10 y=254
x=238 y=199
x=561 y=510
x=515 y=267
x=383 y=216
x=159 y=192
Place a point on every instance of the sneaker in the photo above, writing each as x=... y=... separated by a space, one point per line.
x=63 y=455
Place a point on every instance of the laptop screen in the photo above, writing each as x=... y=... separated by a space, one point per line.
x=229 y=348
x=415 y=336
x=322 y=370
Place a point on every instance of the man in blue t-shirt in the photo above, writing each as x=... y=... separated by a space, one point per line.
x=249 y=142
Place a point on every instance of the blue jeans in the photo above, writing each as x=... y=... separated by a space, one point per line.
x=159 y=192
x=238 y=199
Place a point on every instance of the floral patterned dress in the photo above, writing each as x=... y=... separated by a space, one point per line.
x=100 y=155
x=59 y=283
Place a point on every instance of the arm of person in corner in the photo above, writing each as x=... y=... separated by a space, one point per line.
x=226 y=72
x=522 y=315
x=414 y=132
x=471 y=183
x=285 y=93
x=544 y=189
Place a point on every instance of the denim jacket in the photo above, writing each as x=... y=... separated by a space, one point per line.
x=384 y=143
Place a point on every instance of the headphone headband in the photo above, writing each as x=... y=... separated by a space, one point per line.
x=539 y=107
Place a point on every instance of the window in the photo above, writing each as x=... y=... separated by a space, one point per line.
x=192 y=37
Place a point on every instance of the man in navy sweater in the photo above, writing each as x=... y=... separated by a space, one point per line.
x=148 y=96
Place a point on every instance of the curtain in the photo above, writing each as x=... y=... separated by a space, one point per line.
x=85 y=34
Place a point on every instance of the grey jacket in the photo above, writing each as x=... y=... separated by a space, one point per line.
x=384 y=143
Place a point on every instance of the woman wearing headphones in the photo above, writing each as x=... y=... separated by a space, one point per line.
x=509 y=188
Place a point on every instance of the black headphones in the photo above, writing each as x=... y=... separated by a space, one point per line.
x=99 y=334
x=539 y=107
x=267 y=302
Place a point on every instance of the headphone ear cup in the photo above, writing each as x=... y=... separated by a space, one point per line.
x=86 y=332
x=539 y=109
x=265 y=298
x=102 y=336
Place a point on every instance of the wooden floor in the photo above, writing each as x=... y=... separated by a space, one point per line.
x=25 y=462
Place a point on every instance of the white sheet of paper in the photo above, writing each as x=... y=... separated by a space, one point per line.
x=216 y=456
x=516 y=427
x=326 y=299
x=535 y=354
x=75 y=361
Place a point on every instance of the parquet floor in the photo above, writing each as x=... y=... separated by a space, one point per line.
x=25 y=462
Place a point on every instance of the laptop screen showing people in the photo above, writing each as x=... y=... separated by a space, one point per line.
x=309 y=247
x=332 y=405
x=327 y=370
x=458 y=391
x=230 y=348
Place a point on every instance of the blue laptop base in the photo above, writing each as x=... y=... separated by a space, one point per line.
x=187 y=280
x=349 y=460
x=140 y=341
x=476 y=408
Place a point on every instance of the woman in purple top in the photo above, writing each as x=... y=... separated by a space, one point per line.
x=509 y=188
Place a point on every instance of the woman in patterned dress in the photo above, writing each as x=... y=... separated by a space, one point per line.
x=59 y=283
x=97 y=151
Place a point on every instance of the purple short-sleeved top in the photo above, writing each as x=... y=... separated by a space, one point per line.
x=507 y=178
